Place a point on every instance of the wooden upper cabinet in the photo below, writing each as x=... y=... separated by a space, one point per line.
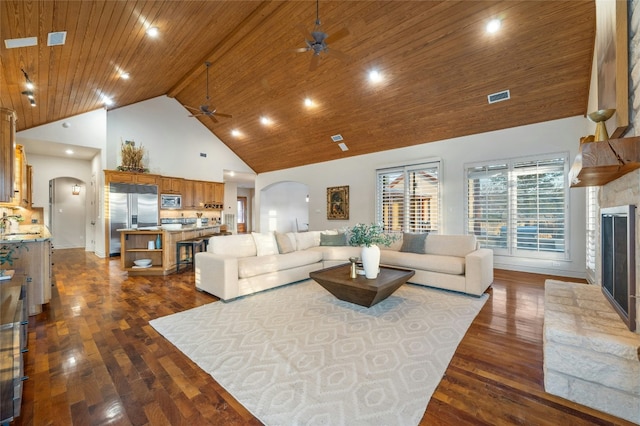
x=7 y=154
x=187 y=194
x=130 y=177
x=170 y=185
x=21 y=197
x=218 y=197
x=198 y=194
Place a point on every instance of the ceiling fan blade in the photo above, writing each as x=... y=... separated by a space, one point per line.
x=315 y=61
x=192 y=108
x=304 y=31
x=215 y=120
x=219 y=114
x=300 y=50
x=340 y=34
x=338 y=55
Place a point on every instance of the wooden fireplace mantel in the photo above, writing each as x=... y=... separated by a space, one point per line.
x=599 y=163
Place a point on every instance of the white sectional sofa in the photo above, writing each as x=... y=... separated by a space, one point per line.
x=237 y=265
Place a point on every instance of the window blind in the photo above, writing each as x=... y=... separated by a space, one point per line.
x=407 y=198
x=518 y=206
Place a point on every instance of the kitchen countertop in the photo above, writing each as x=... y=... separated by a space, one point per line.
x=157 y=228
x=26 y=234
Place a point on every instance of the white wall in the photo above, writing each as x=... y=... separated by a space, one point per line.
x=359 y=174
x=172 y=140
x=282 y=204
x=68 y=228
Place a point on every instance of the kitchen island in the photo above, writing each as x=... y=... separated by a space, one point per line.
x=135 y=246
x=31 y=258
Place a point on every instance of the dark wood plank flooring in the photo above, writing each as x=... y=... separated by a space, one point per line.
x=94 y=360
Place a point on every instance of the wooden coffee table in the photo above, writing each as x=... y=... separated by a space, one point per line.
x=360 y=290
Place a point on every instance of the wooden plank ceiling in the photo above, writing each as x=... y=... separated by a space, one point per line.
x=438 y=64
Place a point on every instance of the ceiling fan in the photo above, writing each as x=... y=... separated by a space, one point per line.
x=204 y=109
x=317 y=41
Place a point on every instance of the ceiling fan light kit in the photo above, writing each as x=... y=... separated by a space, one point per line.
x=205 y=109
x=317 y=42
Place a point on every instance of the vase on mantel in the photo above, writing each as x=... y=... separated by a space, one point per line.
x=371 y=261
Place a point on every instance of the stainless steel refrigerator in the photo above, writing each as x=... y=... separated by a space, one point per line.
x=130 y=206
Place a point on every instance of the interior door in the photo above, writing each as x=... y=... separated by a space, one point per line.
x=242 y=215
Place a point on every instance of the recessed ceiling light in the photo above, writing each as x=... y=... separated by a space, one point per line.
x=493 y=26
x=308 y=102
x=69 y=151
x=265 y=120
x=152 y=31
x=124 y=75
x=236 y=133
x=107 y=100
x=375 y=76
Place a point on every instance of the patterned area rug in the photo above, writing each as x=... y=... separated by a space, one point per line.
x=297 y=355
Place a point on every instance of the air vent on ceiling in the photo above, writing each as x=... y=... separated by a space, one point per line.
x=337 y=138
x=12 y=43
x=57 y=39
x=343 y=146
x=499 y=96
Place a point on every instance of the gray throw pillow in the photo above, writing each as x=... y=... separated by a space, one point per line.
x=284 y=243
x=333 y=240
x=413 y=243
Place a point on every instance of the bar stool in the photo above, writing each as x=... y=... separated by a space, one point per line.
x=190 y=246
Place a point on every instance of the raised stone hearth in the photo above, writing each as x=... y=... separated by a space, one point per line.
x=590 y=357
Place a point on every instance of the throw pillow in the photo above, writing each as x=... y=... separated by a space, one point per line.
x=333 y=240
x=285 y=245
x=413 y=243
x=265 y=244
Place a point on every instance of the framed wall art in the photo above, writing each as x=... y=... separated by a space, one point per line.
x=338 y=203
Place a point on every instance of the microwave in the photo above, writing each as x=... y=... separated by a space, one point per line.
x=170 y=201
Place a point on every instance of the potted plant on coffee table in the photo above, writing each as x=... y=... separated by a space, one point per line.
x=369 y=237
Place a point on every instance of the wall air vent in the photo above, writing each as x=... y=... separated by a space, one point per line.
x=337 y=138
x=12 y=43
x=57 y=39
x=499 y=96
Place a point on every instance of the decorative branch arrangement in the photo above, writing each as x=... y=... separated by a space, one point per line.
x=131 y=157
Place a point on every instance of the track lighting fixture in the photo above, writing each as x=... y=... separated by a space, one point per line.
x=30 y=86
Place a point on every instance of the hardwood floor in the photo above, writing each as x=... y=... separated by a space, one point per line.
x=94 y=360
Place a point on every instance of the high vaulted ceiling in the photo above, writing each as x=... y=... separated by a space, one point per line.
x=438 y=65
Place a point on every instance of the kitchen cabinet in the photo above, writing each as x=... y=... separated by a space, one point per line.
x=130 y=177
x=198 y=194
x=170 y=185
x=20 y=186
x=7 y=154
x=29 y=197
x=135 y=245
x=187 y=194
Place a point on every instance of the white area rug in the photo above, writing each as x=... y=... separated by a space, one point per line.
x=296 y=355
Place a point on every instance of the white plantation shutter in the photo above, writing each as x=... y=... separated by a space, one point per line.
x=539 y=204
x=488 y=205
x=592 y=229
x=518 y=207
x=408 y=198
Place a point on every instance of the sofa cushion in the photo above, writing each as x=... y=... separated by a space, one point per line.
x=241 y=245
x=305 y=240
x=413 y=243
x=425 y=262
x=265 y=244
x=258 y=265
x=342 y=253
x=339 y=239
x=286 y=242
x=450 y=245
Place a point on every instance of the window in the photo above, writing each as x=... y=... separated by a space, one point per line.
x=408 y=198
x=592 y=229
x=518 y=207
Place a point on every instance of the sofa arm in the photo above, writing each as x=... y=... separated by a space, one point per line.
x=478 y=271
x=217 y=274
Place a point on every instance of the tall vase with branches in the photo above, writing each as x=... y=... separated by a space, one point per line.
x=369 y=237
